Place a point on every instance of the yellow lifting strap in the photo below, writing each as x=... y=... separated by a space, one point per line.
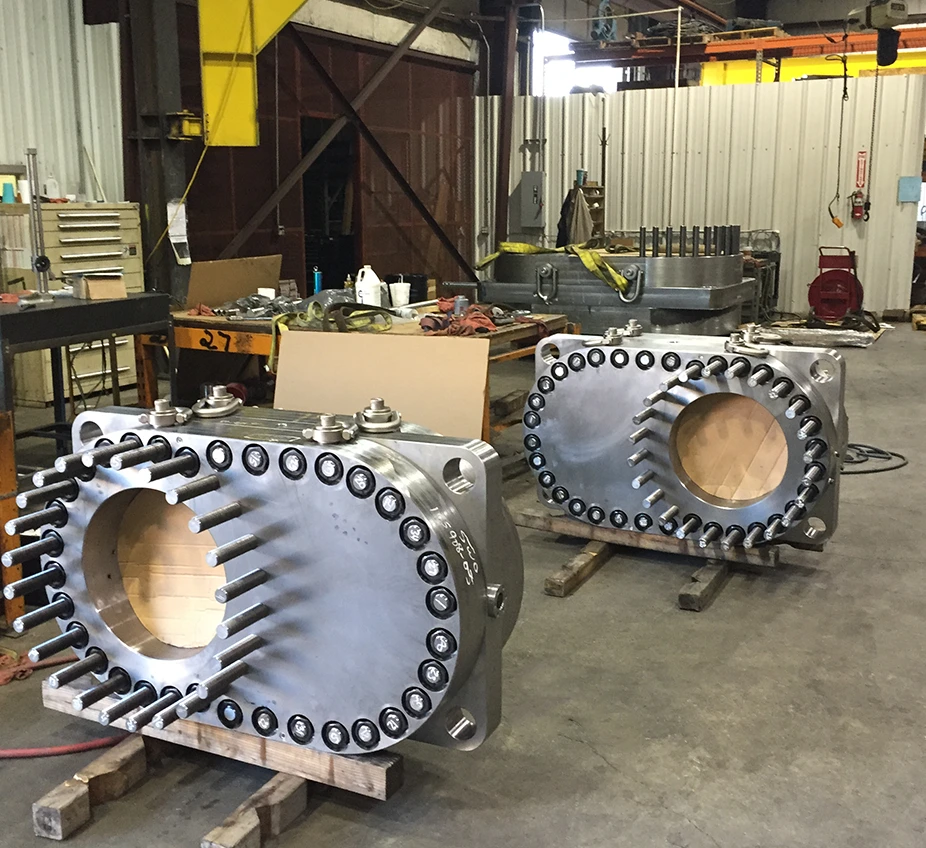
x=371 y=321
x=591 y=259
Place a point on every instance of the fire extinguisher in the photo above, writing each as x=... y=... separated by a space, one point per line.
x=859 y=203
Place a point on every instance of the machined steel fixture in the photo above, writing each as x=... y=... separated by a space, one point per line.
x=742 y=444
x=680 y=280
x=356 y=591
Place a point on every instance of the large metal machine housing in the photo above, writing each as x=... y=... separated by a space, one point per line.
x=685 y=280
x=372 y=573
x=727 y=442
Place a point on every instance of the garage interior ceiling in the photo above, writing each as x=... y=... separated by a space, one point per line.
x=760 y=156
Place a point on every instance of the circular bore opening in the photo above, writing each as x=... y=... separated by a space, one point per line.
x=822 y=370
x=460 y=724
x=148 y=577
x=814 y=527
x=90 y=431
x=728 y=449
x=459 y=476
x=549 y=353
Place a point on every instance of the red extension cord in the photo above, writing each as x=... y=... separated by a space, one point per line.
x=55 y=750
x=58 y=750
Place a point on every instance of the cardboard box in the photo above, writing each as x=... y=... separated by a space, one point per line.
x=217 y=282
x=100 y=288
x=213 y=284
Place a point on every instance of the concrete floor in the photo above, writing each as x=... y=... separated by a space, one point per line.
x=791 y=713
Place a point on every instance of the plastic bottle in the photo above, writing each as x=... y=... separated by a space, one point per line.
x=369 y=287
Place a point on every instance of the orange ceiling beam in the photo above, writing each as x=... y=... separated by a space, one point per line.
x=790 y=46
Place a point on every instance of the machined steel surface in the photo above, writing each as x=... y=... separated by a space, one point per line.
x=659 y=272
x=684 y=280
x=385 y=579
x=592 y=292
x=603 y=433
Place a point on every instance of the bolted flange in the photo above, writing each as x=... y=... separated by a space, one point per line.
x=217 y=404
x=378 y=417
x=745 y=342
x=165 y=414
x=329 y=431
x=612 y=337
x=633 y=329
x=582 y=469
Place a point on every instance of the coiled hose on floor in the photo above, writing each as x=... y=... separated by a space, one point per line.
x=20 y=669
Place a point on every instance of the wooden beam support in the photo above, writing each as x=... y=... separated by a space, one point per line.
x=68 y=806
x=58 y=813
x=540 y=519
x=704 y=586
x=509 y=404
x=115 y=771
x=373 y=775
x=264 y=816
x=578 y=570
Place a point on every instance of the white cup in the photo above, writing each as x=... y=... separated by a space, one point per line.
x=400 y=293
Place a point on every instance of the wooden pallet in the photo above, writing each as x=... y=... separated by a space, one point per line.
x=746 y=34
x=68 y=806
x=506 y=412
x=374 y=775
x=696 y=595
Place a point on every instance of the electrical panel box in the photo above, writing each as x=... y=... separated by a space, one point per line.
x=532 y=201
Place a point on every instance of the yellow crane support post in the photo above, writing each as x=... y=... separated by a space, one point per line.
x=231 y=34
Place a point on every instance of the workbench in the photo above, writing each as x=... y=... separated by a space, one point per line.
x=54 y=325
x=223 y=335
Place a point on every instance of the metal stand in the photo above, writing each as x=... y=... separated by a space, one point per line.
x=59 y=429
x=40 y=263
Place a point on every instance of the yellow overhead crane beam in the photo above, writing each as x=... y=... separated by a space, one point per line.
x=231 y=34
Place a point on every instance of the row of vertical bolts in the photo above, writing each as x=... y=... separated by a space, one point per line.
x=705 y=241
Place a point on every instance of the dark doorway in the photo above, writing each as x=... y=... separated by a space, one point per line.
x=330 y=202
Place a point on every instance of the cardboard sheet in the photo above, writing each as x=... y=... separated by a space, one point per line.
x=437 y=382
x=215 y=283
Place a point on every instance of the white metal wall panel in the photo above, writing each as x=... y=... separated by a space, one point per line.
x=60 y=92
x=764 y=157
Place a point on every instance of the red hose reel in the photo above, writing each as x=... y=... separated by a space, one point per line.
x=836 y=292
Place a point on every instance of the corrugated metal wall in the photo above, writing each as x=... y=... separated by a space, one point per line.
x=59 y=92
x=761 y=156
